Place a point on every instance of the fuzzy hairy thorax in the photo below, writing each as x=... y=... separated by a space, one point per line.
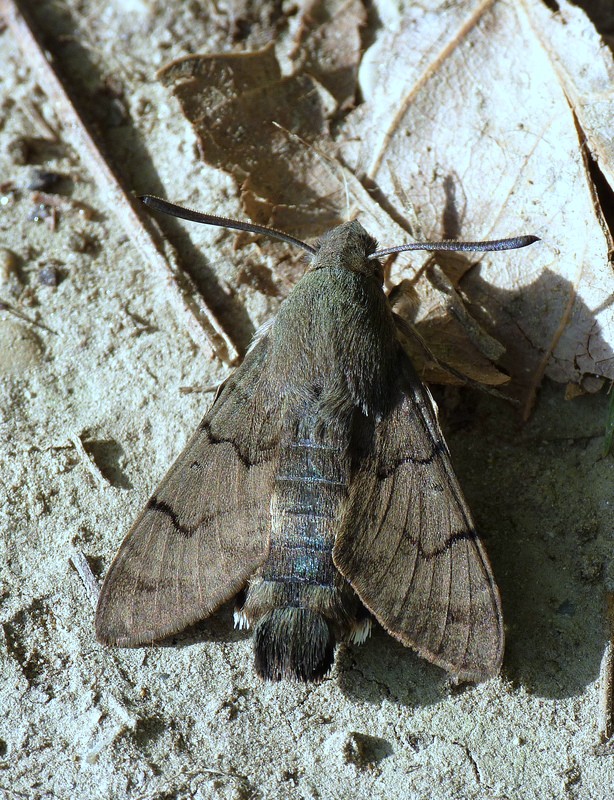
x=334 y=337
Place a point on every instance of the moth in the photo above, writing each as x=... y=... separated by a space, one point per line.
x=318 y=490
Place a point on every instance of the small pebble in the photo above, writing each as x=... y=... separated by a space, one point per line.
x=49 y=275
x=8 y=266
x=43 y=181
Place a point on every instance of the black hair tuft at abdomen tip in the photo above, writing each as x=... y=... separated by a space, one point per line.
x=293 y=644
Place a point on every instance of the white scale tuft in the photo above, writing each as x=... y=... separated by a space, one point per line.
x=361 y=631
x=241 y=621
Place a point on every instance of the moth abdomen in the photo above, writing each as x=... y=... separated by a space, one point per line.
x=299 y=604
x=310 y=484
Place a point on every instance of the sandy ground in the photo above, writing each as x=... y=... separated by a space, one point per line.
x=191 y=719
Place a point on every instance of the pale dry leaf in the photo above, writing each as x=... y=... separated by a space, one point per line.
x=470 y=108
x=585 y=69
x=327 y=45
x=465 y=130
x=244 y=112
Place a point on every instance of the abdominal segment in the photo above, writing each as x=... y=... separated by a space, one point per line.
x=299 y=604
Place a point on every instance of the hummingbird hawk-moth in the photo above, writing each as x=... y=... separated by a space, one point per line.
x=318 y=489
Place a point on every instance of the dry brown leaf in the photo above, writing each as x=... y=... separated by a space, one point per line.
x=468 y=128
x=327 y=45
x=585 y=70
x=243 y=110
x=478 y=125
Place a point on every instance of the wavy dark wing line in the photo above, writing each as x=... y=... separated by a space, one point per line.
x=408 y=546
x=205 y=530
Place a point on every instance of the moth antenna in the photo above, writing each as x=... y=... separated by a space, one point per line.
x=191 y=215
x=223 y=222
x=495 y=244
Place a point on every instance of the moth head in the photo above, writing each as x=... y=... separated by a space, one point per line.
x=347 y=246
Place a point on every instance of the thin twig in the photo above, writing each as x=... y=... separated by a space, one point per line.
x=36 y=118
x=4 y=306
x=82 y=567
x=88 y=462
x=199 y=389
x=606 y=677
x=204 y=327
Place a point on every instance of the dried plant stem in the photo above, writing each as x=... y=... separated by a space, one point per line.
x=88 y=462
x=204 y=327
x=4 y=306
x=607 y=676
x=80 y=563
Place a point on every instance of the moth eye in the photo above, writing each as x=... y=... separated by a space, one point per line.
x=196 y=465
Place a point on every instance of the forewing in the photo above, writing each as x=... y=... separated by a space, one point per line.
x=408 y=546
x=206 y=528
